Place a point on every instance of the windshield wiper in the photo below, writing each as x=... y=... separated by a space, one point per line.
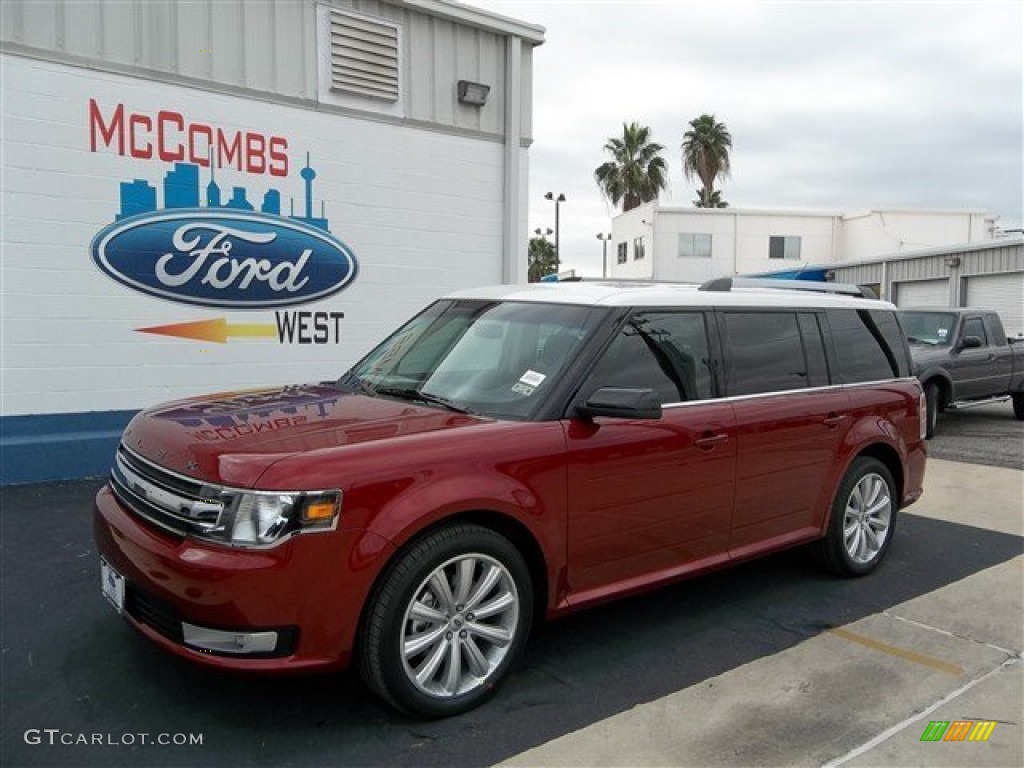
x=410 y=393
x=353 y=382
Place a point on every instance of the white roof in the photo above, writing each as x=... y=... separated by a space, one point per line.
x=630 y=294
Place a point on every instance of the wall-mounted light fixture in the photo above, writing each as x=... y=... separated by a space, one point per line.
x=473 y=94
x=952 y=262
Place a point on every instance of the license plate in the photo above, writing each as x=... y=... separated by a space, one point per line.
x=112 y=585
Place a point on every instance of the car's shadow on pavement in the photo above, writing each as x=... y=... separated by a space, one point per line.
x=70 y=664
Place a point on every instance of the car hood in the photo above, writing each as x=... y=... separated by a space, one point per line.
x=923 y=355
x=233 y=437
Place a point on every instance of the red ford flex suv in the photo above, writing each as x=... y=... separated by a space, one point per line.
x=510 y=454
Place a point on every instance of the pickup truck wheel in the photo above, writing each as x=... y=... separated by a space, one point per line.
x=862 y=521
x=1018 y=405
x=447 y=622
x=931 y=398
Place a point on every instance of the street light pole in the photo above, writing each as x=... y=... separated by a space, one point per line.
x=604 y=252
x=557 y=200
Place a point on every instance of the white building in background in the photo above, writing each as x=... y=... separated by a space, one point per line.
x=217 y=195
x=911 y=257
x=697 y=244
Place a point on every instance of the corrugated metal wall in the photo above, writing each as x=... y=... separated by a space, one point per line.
x=267 y=47
x=998 y=258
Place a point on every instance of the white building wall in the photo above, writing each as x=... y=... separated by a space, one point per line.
x=421 y=210
x=867 y=234
x=637 y=223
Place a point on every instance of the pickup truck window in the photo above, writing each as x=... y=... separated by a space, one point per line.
x=663 y=351
x=974 y=327
x=996 y=334
x=932 y=328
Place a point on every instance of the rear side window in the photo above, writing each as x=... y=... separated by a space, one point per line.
x=868 y=347
x=663 y=351
x=763 y=352
x=892 y=334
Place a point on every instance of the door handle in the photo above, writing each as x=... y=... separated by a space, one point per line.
x=833 y=420
x=708 y=441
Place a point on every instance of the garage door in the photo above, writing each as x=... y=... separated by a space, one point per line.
x=1004 y=294
x=923 y=293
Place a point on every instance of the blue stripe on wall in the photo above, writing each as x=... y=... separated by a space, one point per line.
x=59 y=446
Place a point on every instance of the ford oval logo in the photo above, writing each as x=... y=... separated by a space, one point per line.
x=234 y=260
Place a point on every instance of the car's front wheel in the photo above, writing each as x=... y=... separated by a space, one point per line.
x=863 y=519
x=447 y=622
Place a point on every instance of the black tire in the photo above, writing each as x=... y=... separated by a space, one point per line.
x=859 y=513
x=1018 y=405
x=410 y=609
x=931 y=399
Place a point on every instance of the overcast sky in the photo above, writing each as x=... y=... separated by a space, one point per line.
x=834 y=106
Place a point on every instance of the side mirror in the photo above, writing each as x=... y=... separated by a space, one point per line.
x=621 y=403
x=971 y=342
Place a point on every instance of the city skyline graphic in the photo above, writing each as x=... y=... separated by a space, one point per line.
x=181 y=189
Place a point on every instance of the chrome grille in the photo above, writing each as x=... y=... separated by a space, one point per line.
x=174 y=502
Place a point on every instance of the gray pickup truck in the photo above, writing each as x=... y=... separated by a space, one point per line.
x=962 y=357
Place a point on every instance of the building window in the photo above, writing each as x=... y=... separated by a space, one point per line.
x=364 y=56
x=692 y=246
x=786 y=247
x=620 y=253
x=638 y=248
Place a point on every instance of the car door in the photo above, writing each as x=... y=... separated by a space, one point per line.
x=789 y=425
x=650 y=499
x=975 y=371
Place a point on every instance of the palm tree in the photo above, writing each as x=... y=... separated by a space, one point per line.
x=716 y=200
x=636 y=172
x=540 y=258
x=706 y=154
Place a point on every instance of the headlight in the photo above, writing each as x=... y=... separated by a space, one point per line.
x=259 y=519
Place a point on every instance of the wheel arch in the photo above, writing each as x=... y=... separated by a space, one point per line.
x=890 y=459
x=521 y=537
x=942 y=380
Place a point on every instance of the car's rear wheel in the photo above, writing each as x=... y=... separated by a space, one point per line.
x=863 y=519
x=447 y=622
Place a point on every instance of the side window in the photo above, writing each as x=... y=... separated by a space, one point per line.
x=763 y=353
x=996 y=334
x=663 y=351
x=862 y=353
x=814 y=349
x=974 y=327
x=889 y=327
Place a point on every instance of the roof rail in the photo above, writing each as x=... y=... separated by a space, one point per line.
x=726 y=284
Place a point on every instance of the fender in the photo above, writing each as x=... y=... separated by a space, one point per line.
x=936 y=372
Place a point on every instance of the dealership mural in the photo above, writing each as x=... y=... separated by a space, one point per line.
x=207 y=249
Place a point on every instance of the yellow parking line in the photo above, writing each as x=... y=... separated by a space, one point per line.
x=902 y=653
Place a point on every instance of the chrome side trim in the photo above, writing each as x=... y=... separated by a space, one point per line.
x=784 y=392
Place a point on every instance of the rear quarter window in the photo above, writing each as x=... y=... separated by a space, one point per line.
x=869 y=346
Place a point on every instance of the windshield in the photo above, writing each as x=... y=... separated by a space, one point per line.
x=933 y=328
x=493 y=358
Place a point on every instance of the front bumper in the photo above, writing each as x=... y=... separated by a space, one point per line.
x=309 y=591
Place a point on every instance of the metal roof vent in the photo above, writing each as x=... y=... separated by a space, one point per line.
x=364 y=56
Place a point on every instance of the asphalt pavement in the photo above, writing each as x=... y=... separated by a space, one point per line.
x=771 y=663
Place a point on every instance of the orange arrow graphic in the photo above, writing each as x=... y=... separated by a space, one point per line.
x=217 y=330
